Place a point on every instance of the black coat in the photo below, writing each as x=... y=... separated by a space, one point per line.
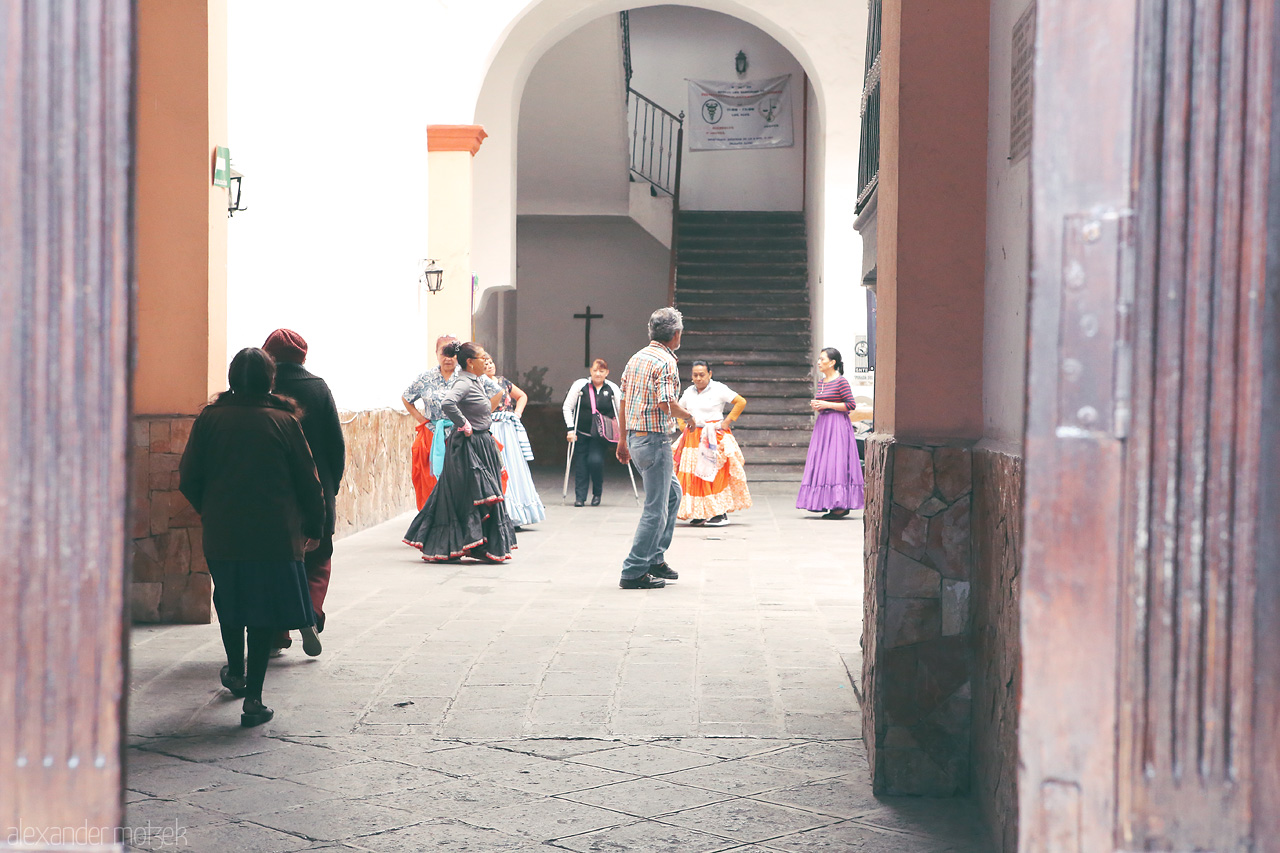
x=322 y=428
x=248 y=472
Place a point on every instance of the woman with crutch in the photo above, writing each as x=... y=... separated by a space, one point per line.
x=589 y=417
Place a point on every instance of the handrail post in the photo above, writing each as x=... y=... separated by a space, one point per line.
x=675 y=214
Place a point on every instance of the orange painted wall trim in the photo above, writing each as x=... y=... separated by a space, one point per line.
x=455 y=137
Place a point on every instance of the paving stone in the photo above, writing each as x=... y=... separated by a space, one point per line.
x=445 y=837
x=544 y=700
x=371 y=777
x=644 y=760
x=851 y=837
x=324 y=822
x=241 y=836
x=740 y=777
x=647 y=836
x=746 y=820
x=843 y=797
x=818 y=760
x=546 y=821
x=646 y=797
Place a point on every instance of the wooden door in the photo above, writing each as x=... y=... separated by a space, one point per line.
x=65 y=285
x=1150 y=629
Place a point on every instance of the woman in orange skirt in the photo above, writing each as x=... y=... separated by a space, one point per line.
x=430 y=388
x=709 y=463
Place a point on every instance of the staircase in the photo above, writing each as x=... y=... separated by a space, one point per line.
x=742 y=285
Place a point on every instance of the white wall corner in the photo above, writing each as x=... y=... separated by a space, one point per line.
x=652 y=213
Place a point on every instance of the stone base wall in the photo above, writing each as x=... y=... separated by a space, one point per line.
x=997 y=525
x=376 y=485
x=918 y=663
x=171 y=582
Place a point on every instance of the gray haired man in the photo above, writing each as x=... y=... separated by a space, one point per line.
x=650 y=402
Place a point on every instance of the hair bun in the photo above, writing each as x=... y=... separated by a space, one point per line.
x=452 y=349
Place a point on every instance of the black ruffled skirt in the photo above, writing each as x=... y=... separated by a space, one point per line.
x=465 y=516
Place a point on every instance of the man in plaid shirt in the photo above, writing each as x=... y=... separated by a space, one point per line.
x=650 y=394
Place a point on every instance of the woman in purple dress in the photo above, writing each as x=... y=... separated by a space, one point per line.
x=832 y=471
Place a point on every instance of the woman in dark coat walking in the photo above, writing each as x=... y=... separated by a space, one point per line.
x=323 y=429
x=249 y=473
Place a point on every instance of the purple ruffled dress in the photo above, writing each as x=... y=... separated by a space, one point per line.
x=832 y=470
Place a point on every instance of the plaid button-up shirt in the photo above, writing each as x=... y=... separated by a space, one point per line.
x=649 y=379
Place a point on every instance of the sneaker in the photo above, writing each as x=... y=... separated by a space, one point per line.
x=310 y=642
x=642 y=582
x=718 y=521
x=662 y=570
x=697 y=522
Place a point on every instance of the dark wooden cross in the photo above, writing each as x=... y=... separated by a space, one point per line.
x=588 y=316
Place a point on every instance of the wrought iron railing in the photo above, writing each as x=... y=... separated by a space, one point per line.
x=869 y=147
x=657 y=138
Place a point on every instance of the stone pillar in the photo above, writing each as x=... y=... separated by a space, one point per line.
x=917 y=673
x=930 y=222
x=450 y=152
x=181 y=228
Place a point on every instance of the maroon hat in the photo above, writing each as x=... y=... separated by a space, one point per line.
x=286 y=345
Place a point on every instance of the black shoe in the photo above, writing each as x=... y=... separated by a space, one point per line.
x=718 y=520
x=579 y=503
x=642 y=582
x=595 y=500
x=697 y=522
x=235 y=685
x=255 y=713
x=310 y=642
x=662 y=570
x=836 y=513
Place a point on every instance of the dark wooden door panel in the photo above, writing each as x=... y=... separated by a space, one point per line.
x=65 y=278
x=1185 y=763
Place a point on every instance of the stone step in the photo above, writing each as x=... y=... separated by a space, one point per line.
x=702 y=340
x=730 y=295
x=798 y=326
x=749 y=436
x=774 y=455
x=756 y=420
x=767 y=376
x=746 y=310
x=696 y=240
x=747 y=252
x=735 y=216
x=699 y=281
x=730 y=269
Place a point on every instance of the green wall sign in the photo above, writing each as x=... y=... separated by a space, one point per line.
x=221 y=167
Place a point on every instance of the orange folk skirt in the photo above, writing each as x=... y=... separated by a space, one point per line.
x=728 y=492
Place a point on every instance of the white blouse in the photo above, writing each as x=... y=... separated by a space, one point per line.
x=708 y=404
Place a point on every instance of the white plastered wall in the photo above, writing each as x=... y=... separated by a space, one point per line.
x=1007 y=258
x=328 y=108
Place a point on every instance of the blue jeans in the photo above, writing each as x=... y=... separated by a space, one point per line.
x=651 y=453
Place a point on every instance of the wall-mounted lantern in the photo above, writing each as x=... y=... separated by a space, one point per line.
x=233 y=193
x=740 y=62
x=432 y=275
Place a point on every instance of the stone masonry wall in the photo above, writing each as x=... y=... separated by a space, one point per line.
x=171 y=582
x=917 y=681
x=997 y=524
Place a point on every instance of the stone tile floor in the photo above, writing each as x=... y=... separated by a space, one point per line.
x=537 y=707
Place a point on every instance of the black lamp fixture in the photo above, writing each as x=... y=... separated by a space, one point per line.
x=432 y=275
x=233 y=193
x=740 y=62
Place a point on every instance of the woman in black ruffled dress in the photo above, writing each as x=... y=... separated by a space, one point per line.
x=465 y=516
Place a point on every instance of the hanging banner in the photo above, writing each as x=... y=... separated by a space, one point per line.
x=747 y=114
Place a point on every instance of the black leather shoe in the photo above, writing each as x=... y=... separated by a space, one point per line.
x=595 y=501
x=662 y=570
x=579 y=503
x=255 y=713
x=235 y=685
x=642 y=582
